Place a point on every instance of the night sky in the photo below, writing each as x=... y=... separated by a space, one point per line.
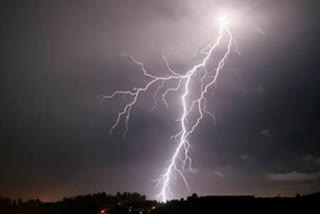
x=57 y=57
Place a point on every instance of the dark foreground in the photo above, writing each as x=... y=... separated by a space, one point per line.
x=134 y=203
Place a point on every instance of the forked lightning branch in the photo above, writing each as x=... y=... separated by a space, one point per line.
x=191 y=106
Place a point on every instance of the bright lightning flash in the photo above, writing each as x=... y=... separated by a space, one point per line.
x=223 y=20
x=195 y=107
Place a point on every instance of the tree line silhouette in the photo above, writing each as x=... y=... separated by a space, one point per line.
x=135 y=203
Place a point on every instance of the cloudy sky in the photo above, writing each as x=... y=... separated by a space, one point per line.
x=57 y=57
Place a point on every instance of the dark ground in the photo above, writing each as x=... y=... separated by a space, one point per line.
x=134 y=203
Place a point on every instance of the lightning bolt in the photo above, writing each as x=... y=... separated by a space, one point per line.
x=180 y=159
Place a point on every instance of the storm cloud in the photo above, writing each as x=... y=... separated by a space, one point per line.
x=57 y=57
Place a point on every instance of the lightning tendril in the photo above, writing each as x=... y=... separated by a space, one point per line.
x=180 y=160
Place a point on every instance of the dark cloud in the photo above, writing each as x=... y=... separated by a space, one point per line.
x=295 y=176
x=58 y=56
x=311 y=159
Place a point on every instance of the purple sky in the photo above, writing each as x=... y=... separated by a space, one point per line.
x=58 y=56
